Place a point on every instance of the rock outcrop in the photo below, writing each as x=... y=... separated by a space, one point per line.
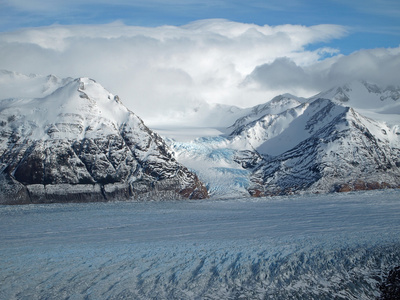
x=79 y=144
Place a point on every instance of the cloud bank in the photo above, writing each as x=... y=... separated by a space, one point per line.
x=168 y=68
x=380 y=66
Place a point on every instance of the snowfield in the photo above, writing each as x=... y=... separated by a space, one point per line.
x=337 y=246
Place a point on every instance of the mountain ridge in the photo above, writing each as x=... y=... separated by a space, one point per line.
x=80 y=143
x=344 y=153
x=286 y=145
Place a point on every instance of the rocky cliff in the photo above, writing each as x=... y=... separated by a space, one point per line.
x=80 y=143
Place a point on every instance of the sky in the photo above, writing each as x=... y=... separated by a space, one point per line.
x=166 y=55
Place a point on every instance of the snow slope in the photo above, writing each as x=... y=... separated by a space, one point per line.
x=338 y=246
x=269 y=126
x=276 y=106
x=378 y=102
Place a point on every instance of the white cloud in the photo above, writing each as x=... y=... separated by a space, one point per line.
x=169 y=67
x=375 y=65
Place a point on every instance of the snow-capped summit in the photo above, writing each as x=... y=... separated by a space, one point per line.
x=370 y=98
x=71 y=111
x=276 y=106
x=329 y=148
x=75 y=141
x=80 y=143
x=291 y=145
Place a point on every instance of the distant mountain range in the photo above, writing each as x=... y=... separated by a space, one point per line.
x=71 y=140
x=294 y=145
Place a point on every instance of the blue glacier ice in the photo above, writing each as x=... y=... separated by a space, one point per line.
x=337 y=246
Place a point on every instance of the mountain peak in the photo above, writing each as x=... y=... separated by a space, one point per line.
x=361 y=94
x=329 y=148
x=81 y=143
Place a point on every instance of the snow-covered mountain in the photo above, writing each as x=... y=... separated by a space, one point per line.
x=291 y=145
x=328 y=148
x=267 y=126
x=74 y=137
x=372 y=100
x=277 y=105
x=80 y=143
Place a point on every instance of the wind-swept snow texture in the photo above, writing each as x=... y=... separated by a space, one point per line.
x=337 y=246
x=80 y=143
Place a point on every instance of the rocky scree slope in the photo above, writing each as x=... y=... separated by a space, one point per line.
x=80 y=143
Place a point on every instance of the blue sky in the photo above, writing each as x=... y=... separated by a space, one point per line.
x=370 y=23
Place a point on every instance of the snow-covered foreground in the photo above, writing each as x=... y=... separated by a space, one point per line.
x=305 y=247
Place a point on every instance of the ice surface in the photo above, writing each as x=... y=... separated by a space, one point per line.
x=212 y=158
x=334 y=246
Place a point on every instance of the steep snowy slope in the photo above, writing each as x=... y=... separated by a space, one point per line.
x=276 y=106
x=372 y=100
x=329 y=148
x=80 y=143
x=267 y=126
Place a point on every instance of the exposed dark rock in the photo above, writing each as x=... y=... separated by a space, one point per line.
x=247 y=159
x=111 y=159
x=390 y=288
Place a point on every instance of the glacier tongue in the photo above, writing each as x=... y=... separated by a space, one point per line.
x=222 y=166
